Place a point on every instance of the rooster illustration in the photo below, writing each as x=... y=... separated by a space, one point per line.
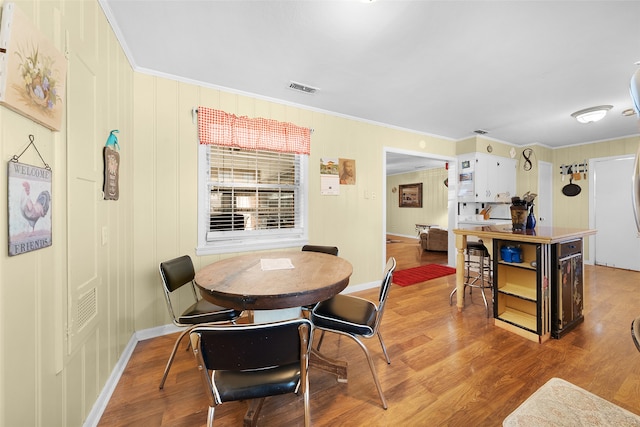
x=33 y=211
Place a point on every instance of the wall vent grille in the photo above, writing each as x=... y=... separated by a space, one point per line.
x=87 y=308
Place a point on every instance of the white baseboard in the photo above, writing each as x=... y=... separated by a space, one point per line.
x=103 y=399
x=409 y=236
x=158 y=331
x=361 y=287
x=101 y=403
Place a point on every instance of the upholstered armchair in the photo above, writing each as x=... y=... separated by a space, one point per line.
x=434 y=239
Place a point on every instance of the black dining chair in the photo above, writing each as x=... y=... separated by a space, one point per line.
x=252 y=362
x=329 y=250
x=175 y=274
x=356 y=317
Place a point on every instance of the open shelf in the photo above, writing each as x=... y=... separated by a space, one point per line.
x=526 y=292
x=519 y=318
x=525 y=265
x=517 y=298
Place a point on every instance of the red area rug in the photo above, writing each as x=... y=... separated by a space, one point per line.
x=414 y=275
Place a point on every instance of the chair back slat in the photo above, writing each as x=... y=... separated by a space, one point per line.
x=177 y=272
x=331 y=250
x=243 y=347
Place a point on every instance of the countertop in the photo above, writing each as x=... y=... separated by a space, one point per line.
x=476 y=223
x=545 y=235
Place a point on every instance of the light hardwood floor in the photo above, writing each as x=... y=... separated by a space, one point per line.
x=447 y=369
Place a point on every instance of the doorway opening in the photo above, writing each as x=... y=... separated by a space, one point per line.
x=409 y=164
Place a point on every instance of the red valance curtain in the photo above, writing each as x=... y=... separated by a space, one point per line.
x=220 y=128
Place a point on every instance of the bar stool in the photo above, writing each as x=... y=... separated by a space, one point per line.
x=477 y=271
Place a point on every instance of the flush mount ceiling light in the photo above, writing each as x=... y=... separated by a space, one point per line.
x=593 y=114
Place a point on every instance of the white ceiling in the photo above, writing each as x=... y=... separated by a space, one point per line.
x=516 y=69
x=397 y=163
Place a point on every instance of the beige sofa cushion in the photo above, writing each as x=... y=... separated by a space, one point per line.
x=434 y=239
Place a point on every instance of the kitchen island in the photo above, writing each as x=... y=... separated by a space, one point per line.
x=539 y=295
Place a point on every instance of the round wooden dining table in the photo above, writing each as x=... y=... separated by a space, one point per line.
x=273 y=280
x=274 y=285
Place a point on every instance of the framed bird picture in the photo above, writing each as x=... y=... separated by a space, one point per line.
x=29 y=207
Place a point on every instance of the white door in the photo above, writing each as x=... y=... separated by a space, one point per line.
x=85 y=292
x=616 y=243
x=543 y=208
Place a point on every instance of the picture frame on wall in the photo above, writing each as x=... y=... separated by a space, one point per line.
x=410 y=195
x=29 y=202
x=32 y=70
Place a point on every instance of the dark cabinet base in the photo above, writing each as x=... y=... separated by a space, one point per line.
x=567 y=299
x=559 y=333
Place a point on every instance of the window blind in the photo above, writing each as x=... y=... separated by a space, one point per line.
x=253 y=192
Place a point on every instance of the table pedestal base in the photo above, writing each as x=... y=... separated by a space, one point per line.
x=326 y=364
x=251 y=416
x=277 y=315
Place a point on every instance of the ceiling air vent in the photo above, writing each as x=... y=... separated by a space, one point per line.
x=302 y=88
x=480 y=131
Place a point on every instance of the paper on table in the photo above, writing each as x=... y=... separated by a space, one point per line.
x=276 y=264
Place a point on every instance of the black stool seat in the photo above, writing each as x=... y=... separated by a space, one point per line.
x=476 y=245
x=477 y=257
x=478 y=251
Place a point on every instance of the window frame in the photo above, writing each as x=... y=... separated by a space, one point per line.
x=247 y=240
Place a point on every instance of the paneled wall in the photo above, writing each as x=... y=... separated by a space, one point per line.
x=434 y=208
x=54 y=360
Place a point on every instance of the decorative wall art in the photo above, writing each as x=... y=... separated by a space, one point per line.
x=410 y=195
x=329 y=177
x=29 y=205
x=347 y=171
x=111 y=187
x=32 y=70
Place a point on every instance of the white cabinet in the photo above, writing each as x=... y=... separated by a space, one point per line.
x=483 y=176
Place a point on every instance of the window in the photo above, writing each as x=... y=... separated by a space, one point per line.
x=250 y=199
